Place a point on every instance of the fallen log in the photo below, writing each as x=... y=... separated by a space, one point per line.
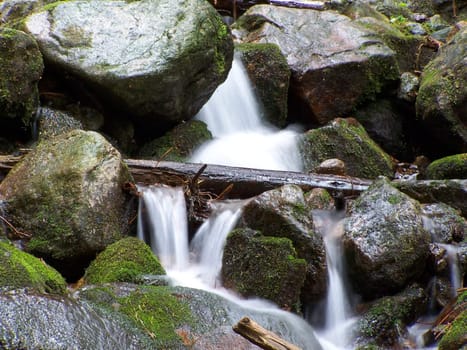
x=244 y=182
x=265 y=339
x=237 y=7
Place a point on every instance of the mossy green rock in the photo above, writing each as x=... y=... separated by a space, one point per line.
x=159 y=61
x=385 y=242
x=406 y=47
x=158 y=312
x=269 y=73
x=456 y=336
x=124 y=261
x=387 y=318
x=21 y=68
x=267 y=267
x=442 y=99
x=451 y=167
x=283 y=212
x=68 y=195
x=183 y=318
x=451 y=192
x=177 y=144
x=19 y=270
x=347 y=140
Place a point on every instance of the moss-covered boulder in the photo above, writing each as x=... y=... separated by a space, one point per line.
x=268 y=267
x=269 y=74
x=386 y=320
x=335 y=64
x=451 y=167
x=283 y=213
x=19 y=270
x=177 y=144
x=21 y=68
x=348 y=141
x=385 y=243
x=184 y=318
x=410 y=53
x=123 y=261
x=159 y=61
x=455 y=336
x=68 y=195
x=442 y=99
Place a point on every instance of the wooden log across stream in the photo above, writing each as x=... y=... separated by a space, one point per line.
x=244 y=182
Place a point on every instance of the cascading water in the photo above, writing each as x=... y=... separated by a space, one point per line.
x=338 y=313
x=241 y=138
x=167 y=209
x=205 y=258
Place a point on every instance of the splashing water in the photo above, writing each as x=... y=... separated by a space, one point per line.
x=204 y=260
x=338 y=312
x=241 y=138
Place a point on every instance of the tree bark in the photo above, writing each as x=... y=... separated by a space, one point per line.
x=243 y=182
x=265 y=339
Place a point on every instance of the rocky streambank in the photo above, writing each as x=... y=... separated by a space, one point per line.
x=379 y=89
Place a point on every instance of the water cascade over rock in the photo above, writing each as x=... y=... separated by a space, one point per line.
x=241 y=137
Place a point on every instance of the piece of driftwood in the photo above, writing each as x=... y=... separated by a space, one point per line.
x=236 y=7
x=264 y=338
x=243 y=182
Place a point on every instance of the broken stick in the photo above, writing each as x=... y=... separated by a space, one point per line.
x=265 y=339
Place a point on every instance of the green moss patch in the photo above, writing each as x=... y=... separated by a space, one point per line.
x=123 y=261
x=347 y=140
x=263 y=266
x=178 y=144
x=455 y=336
x=451 y=167
x=19 y=269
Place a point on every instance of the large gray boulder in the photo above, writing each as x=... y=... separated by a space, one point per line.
x=335 y=64
x=385 y=243
x=67 y=197
x=283 y=212
x=442 y=98
x=158 y=60
x=31 y=320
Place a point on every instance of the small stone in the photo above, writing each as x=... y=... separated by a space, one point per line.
x=332 y=166
x=408 y=87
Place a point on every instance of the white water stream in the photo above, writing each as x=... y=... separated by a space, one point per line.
x=241 y=138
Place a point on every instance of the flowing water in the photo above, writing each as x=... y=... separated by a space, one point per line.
x=241 y=137
x=339 y=320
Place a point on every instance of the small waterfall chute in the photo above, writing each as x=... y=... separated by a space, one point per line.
x=339 y=319
x=241 y=137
